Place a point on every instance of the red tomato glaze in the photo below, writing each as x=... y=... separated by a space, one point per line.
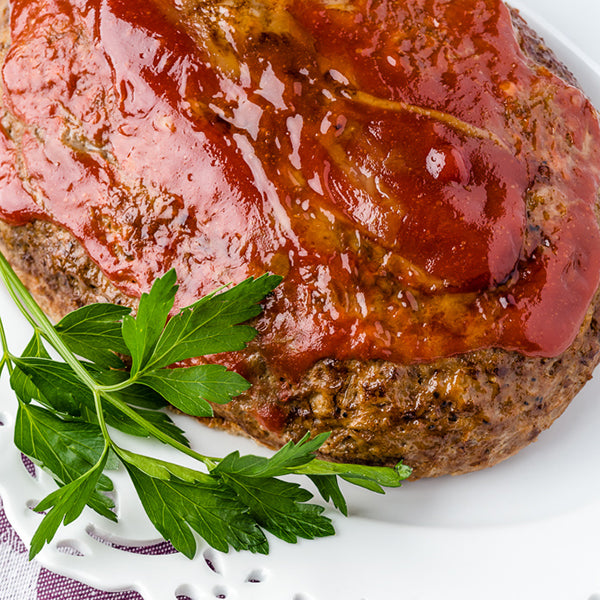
x=424 y=189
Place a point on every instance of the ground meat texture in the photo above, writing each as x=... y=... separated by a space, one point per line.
x=446 y=415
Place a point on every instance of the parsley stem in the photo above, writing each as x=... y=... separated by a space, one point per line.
x=5 y=352
x=210 y=462
x=100 y=414
x=41 y=322
x=117 y=387
x=13 y=284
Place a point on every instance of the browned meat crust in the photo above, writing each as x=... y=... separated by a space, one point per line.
x=450 y=416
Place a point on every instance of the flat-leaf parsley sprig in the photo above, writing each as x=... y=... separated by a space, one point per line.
x=117 y=372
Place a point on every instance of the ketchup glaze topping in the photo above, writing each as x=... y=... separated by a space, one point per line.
x=423 y=187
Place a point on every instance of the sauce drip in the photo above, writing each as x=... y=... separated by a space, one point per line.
x=424 y=189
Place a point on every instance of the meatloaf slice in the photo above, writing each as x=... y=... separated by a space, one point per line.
x=445 y=415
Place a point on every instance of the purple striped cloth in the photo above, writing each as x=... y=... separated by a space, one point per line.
x=24 y=580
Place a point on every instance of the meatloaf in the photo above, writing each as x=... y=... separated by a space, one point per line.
x=424 y=175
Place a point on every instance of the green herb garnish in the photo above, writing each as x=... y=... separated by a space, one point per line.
x=115 y=373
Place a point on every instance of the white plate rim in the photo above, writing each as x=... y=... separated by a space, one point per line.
x=386 y=554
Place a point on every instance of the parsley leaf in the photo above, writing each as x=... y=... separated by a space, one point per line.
x=66 y=505
x=191 y=389
x=19 y=381
x=65 y=448
x=329 y=488
x=176 y=506
x=58 y=387
x=286 y=460
x=211 y=325
x=94 y=332
x=143 y=331
x=279 y=506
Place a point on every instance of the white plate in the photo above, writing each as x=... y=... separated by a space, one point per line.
x=526 y=529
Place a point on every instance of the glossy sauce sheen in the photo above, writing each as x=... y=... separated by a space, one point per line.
x=424 y=189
